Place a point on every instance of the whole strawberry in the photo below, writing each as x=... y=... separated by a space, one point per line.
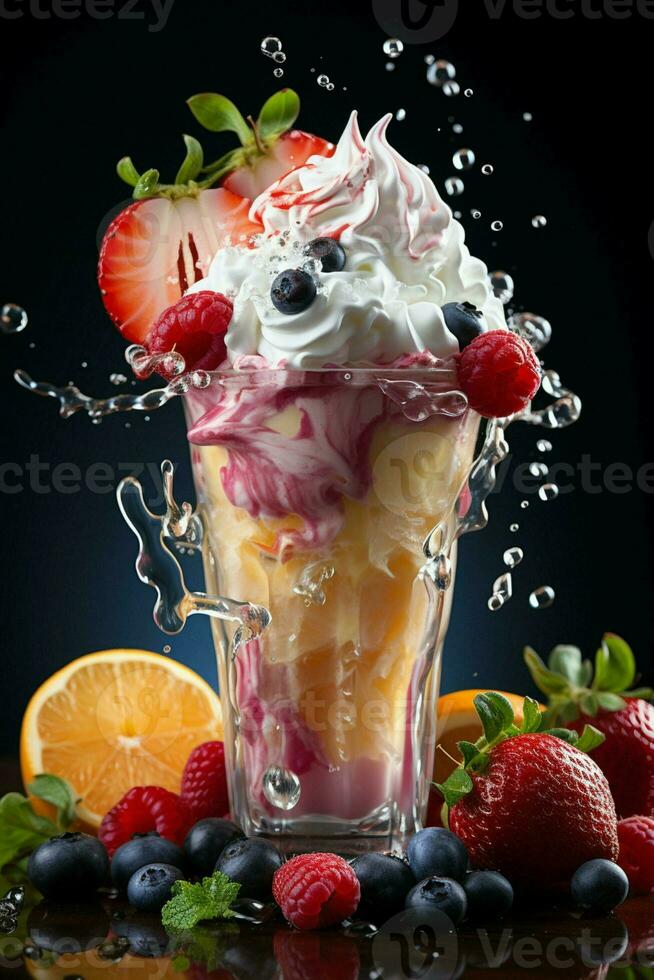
x=204 y=782
x=527 y=803
x=605 y=697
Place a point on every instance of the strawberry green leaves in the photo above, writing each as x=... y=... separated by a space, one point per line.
x=22 y=829
x=498 y=724
x=218 y=114
x=573 y=688
x=193 y=161
x=278 y=114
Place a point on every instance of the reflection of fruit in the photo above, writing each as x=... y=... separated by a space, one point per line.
x=117 y=719
x=457 y=721
x=328 y=956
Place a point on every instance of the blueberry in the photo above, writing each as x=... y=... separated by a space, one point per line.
x=443 y=894
x=437 y=851
x=251 y=862
x=68 y=866
x=385 y=883
x=205 y=842
x=599 y=885
x=141 y=850
x=465 y=321
x=150 y=887
x=293 y=291
x=330 y=253
x=489 y=894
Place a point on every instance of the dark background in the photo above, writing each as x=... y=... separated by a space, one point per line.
x=81 y=93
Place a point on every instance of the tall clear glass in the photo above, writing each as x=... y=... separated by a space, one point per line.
x=331 y=498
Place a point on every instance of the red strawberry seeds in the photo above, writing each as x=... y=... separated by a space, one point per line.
x=204 y=782
x=143 y=809
x=499 y=373
x=315 y=890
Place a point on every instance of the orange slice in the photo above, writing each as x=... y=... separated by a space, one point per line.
x=458 y=721
x=117 y=719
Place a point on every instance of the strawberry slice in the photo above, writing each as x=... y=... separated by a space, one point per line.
x=156 y=248
x=269 y=148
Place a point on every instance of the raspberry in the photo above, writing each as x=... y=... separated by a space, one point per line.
x=315 y=890
x=204 y=783
x=499 y=373
x=195 y=326
x=636 y=837
x=143 y=809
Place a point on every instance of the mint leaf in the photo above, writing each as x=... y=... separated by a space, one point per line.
x=589 y=739
x=193 y=903
x=56 y=791
x=566 y=660
x=21 y=829
x=193 y=161
x=615 y=664
x=455 y=787
x=127 y=171
x=218 y=114
x=278 y=114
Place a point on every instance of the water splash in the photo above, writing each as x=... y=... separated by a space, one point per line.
x=542 y=597
x=420 y=401
x=13 y=318
x=513 y=556
x=72 y=400
x=502 y=591
x=157 y=566
x=309 y=586
x=563 y=411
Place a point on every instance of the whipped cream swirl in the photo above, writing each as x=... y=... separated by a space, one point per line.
x=406 y=258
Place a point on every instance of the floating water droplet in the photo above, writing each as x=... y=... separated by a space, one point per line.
x=454 y=186
x=329 y=86
x=323 y=80
x=118 y=379
x=440 y=72
x=429 y=59
x=167 y=648
x=497 y=225
x=270 y=46
x=281 y=787
x=13 y=318
x=469 y=93
x=278 y=72
x=538 y=469
x=536 y=330
x=513 y=528
x=544 y=446
x=423 y=167
x=539 y=221
x=527 y=116
x=476 y=214
x=542 y=597
x=524 y=504
x=502 y=285
x=513 y=557
x=451 y=88
x=393 y=47
x=457 y=128
x=389 y=66
x=400 y=115
x=549 y=491
x=502 y=591
x=487 y=169
x=279 y=57
x=463 y=159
